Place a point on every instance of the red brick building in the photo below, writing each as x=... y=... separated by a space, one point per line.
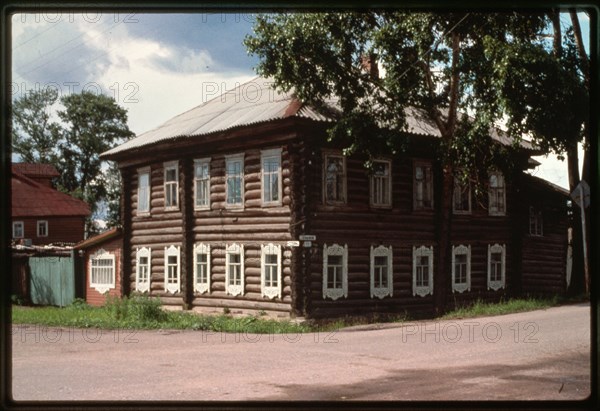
x=41 y=213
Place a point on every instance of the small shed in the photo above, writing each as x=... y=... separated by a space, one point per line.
x=102 y=266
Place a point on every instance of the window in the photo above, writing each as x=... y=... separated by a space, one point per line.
x=202 y=268
x=496 y=266
x=381 y=184
x=234 y=270
x=334 y=179
x=461 y=199
x=143 y=191
x=381 y=272
x=461 y=268
x=270 y=262
x=234 y=166
x=497 y=194
x=42 y=228
x=536 y=223
x=18 y=229
x=171 y=186
x=335 y=271
x=102 y=271
x=142 y=270
x=271 y=176
x=202 y=184
x=422 y=271
x=423 y=186
x=172 y=269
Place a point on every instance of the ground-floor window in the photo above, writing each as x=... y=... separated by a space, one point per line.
x=234 y=270
x=461 y=268
x=381 y=272
x=102 y=271
x=270 y=263
x=335 y=271
x=422 y=271
x=496 y=266
x=142 y=270
x=172 y=270
x=202 y=268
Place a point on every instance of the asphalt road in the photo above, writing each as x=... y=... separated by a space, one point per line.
x=539 y=355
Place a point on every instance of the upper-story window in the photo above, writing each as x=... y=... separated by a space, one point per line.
x=381 y=184
x=422 y=271
x=381 y=272
x=461 y=199
x=171 y=185
x=497 y=194
x=271 y=176
x=536 y=222
x=422 y=186
x=42 y=228
x=202 y=184
x=461 y=268
x=18 y=229
x=143 y=191
x=234 y=176
x=334 y=179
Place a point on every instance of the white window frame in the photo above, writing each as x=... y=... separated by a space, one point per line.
x=375 y=182
x=43 y=223
x=427 y=185
x=381 y=292
x=143 y=286
x=234 y=289
x=270 y=291
x=458 y=191
x=229 y=159
x=461 y=250
x=497 y=248
x=16 y=226
x=140 y=172
x=101 y=254
x=537 y=219
x=423 y=251
x=343 y=176
x=335 y=250
x=493 y=193
x=172 y=287
x=172 y=165
x=203 y=287
x=201 y=163
x=265 y=155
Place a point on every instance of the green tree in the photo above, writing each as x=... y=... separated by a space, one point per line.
x=34 y=135
x=440 y=65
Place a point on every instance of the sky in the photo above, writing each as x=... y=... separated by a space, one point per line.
x=155 y=65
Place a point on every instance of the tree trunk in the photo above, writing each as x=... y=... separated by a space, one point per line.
x=444 y=229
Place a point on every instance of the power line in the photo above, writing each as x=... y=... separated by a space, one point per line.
x=54 y=25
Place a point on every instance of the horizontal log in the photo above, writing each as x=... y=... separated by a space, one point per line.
x=242 y=228
x=167 y=240
x=240 y=304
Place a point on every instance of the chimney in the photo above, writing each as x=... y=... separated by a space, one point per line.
x=369 y=65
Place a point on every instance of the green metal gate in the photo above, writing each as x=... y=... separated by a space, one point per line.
x=52 y=280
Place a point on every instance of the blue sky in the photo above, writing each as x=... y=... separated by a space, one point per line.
x=154 y=65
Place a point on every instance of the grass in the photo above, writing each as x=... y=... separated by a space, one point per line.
x=142 y=312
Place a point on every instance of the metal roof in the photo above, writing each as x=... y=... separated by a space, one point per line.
x=34 y=170
x=257 y=102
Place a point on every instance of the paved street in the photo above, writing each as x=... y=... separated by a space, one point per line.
x=541 y=355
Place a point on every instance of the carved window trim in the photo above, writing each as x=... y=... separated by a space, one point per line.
x=379 y=184
x=423 y=251
x=381 y=292
x=335 y=250
x=204 y=165
x=270 y=291
x=234 y=289
x=172 y=286
x=462 y=286
x=494 y=249
x=102 y=269
x=171 y=187
x=266 y=155
x=143 y=191
x=143 y=286
x=202 y=286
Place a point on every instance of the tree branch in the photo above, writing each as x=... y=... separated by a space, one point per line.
x=454 y=83
x=432 y=110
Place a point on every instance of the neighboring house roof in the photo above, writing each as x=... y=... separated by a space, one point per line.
x=547 y=184
x=32 y=199
x=257 y=102
x=99 y=239
x=34 y=170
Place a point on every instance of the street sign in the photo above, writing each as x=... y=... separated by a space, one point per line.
x=307 y=244
x=582 y=190
x=307 y=237
x=293 y=243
